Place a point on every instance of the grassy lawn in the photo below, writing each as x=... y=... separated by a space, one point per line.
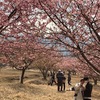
x=34 y=87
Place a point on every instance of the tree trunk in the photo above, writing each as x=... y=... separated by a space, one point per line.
x=44 y=72
x=45 y=76
x=22 y=76
x=91 y=65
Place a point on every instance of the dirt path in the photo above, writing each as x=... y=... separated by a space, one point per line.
x=34 y=88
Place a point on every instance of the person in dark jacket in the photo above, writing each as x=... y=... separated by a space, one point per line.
x=53 y=79
x=59 y=77
x=63 y=81
x=88 y=89
x=69 y=78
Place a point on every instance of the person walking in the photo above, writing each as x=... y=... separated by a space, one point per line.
x=63 y=81
x=59 y=77
x=69 y=78
x=53 y=78
x=88 y=89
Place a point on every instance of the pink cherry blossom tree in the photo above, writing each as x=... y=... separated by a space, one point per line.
x=84 y=69
x=18 y=16
x=79 y=26
x=19 y=24
x=77 y=20
x=20 y=53
x=46 y=61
